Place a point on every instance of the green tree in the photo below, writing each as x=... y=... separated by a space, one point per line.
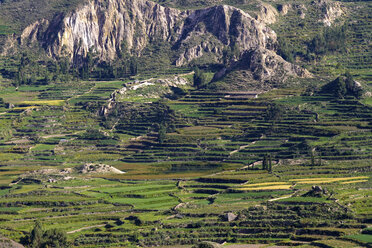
x=54 y=238
x=312 y=158
x=162 y=133
x=274 y=112
x=270 y=167
x=284 y=50
x=340 y=88
x=351 y=86
x=264 y=163
x=36 y=236
x=199 y=78
x=318 y=44
x=133 y=66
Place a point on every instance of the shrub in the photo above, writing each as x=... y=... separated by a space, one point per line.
x=40 y=239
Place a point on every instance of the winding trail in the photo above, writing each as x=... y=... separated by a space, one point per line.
x=85 y=228
x=242 y=148
x=245 y=146
x=280 y=198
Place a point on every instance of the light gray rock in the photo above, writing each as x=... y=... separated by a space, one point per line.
x=231 y=217
x=104 y=25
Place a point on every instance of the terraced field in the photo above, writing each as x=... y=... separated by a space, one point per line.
x=205 y=181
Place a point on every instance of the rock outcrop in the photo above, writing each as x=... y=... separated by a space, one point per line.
x=161 y=87
x=265 y=66
x=104 y=26
x=284 y=8
x=8 y=243
x=107 y=27
x=330 y=10
x=98 y=168
x=210 y=30
x=268 y=13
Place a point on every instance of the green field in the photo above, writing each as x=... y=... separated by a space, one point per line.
x=113 y=163
x=208 y=165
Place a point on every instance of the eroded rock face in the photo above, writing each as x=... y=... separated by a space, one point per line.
x=268 y=13
x=8 y=243
x=104 y=25
x=265 y=66
x=212 y=29
x=330 y=10
x=284 y=8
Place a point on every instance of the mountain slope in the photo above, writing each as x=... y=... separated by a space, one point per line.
x=116 y=26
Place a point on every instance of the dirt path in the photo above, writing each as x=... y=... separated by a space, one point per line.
x=280 y=198
x=238 y=150
x=55 y=135
x=241 y=148
x=85 y=228
x=245 y=146
x=82 y=94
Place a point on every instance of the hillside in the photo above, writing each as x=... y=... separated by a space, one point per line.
x=195 y=123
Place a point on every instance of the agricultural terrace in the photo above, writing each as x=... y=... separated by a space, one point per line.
x=210 y=155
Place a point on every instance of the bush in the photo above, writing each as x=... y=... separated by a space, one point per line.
x=284 y=50
x=343 y=86
x=54 y=238
x=275 y=112
x=199 y=78
x=40 y=239
x=331 y=39
x=93 y=134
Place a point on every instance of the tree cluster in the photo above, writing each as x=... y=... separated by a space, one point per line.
x=124 y=66
x=200 y=78
x=343 y=86
x=275 y=112
x=267 y=163
x=331 y=39
x=285 y=50
x=315 y=162
x=38 y=238
x=31 y=68
x=2 y=103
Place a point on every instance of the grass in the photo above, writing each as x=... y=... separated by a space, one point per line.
x=25 y=108
x=202 y=163
x=9 y=156
x=325 y=180
x=337 y=243
x=273 y=187
x=367 y=100
x=44 y=102
x=356 y=181
x=362 y=237
x=262 y=184
x=304 y=199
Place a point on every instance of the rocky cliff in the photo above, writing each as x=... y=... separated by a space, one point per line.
x=103 y=26
x=210 y=30
x=263 y=65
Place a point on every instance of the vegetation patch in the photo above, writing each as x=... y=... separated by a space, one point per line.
x=44 y=102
